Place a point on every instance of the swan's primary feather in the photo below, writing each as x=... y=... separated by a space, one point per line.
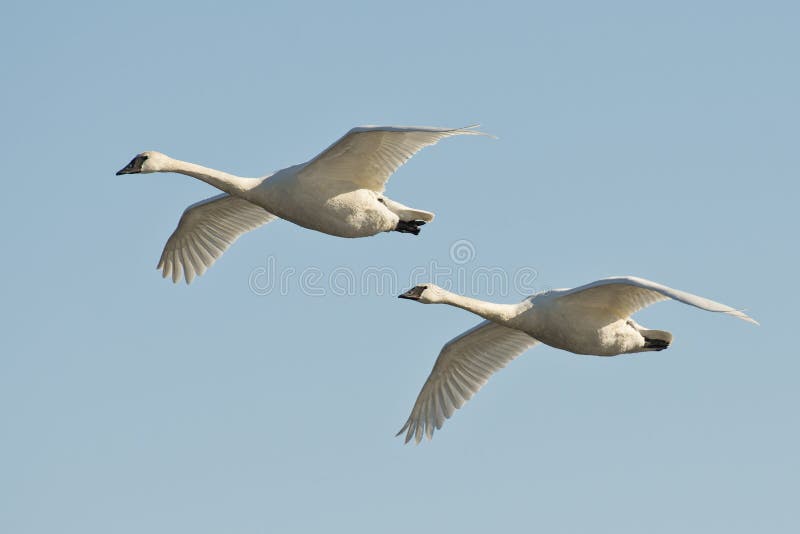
x=365 y=157
x=464 y=365
x=205 y=231
x=623 y=296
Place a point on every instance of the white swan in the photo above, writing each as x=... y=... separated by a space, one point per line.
x=339 y=192
x=591 y=319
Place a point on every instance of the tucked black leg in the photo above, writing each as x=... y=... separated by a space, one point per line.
x=655 y=344
x=409 y=227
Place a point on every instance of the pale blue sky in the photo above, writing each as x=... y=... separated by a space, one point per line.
x=655 y=139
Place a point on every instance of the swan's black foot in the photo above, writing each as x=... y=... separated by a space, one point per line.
x=409 y=227
x=655 y=344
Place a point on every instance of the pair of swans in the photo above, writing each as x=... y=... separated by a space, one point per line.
x=341 y=192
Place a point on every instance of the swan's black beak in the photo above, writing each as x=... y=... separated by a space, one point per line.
x=412 y=294
x=135 y=166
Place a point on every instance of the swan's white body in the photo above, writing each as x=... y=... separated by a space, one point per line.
x=591 y=319
x=339 y=192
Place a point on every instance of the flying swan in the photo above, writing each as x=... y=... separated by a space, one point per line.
x=339 y=192
x=591 y=319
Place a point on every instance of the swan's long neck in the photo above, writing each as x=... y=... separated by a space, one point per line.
x=499 y=313
x=223 y=181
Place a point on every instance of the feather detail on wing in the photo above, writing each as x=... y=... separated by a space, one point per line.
x=365 y=157
x=625 y=295
x=464 y=365
x=205 y=231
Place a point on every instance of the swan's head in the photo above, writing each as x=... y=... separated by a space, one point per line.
x=425 y=293
x=145 y=162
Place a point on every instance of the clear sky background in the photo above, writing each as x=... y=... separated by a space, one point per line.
x=658 y=139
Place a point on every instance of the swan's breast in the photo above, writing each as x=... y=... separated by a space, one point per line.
x=583 y=334
x=350 y=214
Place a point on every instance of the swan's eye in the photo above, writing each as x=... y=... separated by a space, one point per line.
x=136 y=163
x=135 y=166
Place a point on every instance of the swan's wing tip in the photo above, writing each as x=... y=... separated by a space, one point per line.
x=743 y=316
x=471 y=130
x=166 y=270
x=738 y=313
x=400 y=432
x=409 y=434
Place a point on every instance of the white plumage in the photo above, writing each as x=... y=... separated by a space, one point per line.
x=590 y=319
x=339 y=192
x=206 y=230
x=464 y=365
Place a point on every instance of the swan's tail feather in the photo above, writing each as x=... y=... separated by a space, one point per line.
x=405 y=213
x=417 y=215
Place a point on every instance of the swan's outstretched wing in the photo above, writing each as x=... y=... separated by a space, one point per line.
x=365 y=157
x=205 y=231
x=463 y=366
x=623 y=296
